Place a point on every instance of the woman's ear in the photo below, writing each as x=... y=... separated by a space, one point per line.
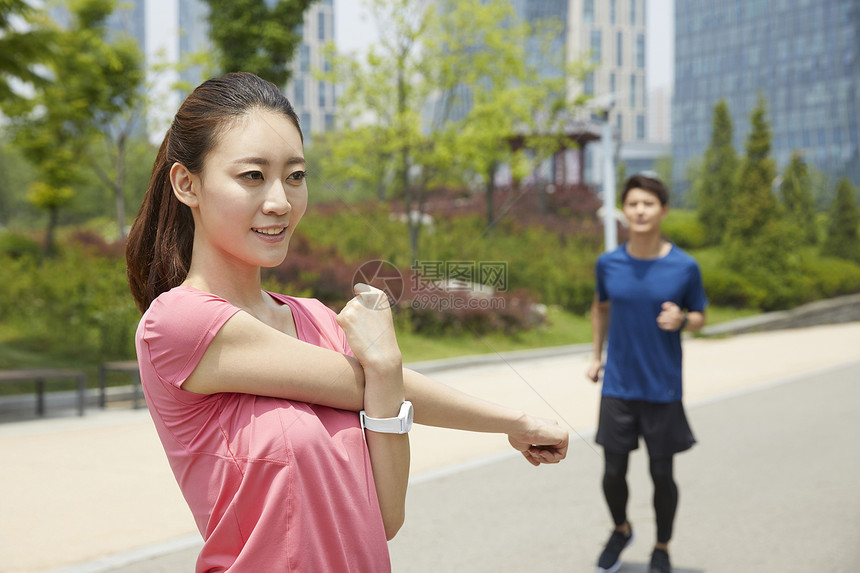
x=185 y=184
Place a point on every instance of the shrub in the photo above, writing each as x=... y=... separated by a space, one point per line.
x=727 y=288
x=76 y=303
x=17 y=246
x=685 y=231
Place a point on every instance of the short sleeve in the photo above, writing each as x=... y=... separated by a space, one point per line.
x=696 y=300
x=600 y=279
x=178 y=328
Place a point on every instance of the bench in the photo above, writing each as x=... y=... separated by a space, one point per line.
x=40 y=376
x=129 y=366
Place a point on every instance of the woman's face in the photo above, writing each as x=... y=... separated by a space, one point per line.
x=252 y=192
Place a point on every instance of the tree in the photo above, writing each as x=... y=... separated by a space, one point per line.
x=446 y=90
x=842 y=234
x=713 y=187
x=21 y=46
x=797 y=199
x=89 y=82
x=759 y=244
x=251 y=36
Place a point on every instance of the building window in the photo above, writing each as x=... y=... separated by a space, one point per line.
x=640 y=127
x=619 y=126
x=632 y=12
x=612 y=83
x=321 y=87
x=640 y=50
x=321 y=26
x=595 y=46
x=612 y=11
x=329 y=122
x=588 y=11
x=299 y=89
x=305 y=58
x=632 y=91
x=619 y=49
x=305 y=120
x=588 y=85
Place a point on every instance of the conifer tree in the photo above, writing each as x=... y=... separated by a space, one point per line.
x=843 y=238
x=713 y=188
x=759 y=242
x=797 y=198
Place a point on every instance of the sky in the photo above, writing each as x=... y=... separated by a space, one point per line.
x=354 y=30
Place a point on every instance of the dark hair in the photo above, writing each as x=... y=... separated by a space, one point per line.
x=158 y=251
x=646 y=183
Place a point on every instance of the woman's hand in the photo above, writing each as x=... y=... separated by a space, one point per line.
x=366 y=320
x=541 y=441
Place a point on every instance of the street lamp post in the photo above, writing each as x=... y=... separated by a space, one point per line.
x=610 y=228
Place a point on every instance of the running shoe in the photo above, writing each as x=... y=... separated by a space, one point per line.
x=610 y=559
x=660 y=562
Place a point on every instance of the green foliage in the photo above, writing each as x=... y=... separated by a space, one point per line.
x=21 y=47
x=91 y=81
x=464 y=62
x=76 y=304
x=15 y=246
x=760 y=243
x=798 y=201
x=684 y=229
x=256 y=36
x=715 y=178
x=842 y=235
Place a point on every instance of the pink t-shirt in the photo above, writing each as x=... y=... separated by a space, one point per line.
x=274 y=484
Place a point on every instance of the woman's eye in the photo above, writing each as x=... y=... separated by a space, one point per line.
x=297 y=176
x=253 y=175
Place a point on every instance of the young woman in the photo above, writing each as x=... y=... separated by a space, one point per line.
x=256 y=395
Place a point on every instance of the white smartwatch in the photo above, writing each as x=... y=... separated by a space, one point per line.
x=399 y=425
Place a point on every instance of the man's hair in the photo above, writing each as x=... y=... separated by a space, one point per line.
x=646 y=183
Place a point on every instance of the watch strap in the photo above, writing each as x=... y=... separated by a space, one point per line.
x=400 y=424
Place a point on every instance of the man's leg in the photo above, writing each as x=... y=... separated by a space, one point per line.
x=615 y=487
x=665 y=498
x=615 y=490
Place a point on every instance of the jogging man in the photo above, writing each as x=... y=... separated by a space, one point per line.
x=647 y=292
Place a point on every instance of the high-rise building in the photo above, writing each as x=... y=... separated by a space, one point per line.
x=802 y=56
x=313 y=99
x=613 y=33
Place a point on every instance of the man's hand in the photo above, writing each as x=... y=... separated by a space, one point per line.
x=671 y=317
x=593 y=372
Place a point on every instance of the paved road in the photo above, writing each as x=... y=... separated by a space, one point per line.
x=771 y=487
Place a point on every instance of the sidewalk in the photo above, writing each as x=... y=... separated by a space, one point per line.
x=82 y=489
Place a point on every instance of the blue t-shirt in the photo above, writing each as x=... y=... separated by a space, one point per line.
x=643 y=362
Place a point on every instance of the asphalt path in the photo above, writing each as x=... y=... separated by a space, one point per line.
x=771 y=486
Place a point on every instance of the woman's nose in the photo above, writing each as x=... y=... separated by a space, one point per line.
x=277 y=201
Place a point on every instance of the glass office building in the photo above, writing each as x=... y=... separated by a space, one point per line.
x=803 y=56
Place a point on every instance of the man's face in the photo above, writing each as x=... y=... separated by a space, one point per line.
x=643 y=211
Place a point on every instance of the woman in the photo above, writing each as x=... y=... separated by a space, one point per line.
x=256 y=395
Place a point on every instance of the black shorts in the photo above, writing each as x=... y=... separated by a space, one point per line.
x=664 y=426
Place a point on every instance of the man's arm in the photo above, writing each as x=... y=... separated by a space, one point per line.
x=599 y=330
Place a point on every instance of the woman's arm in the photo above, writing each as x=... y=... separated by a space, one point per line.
x=247 y=356
x=436 y=404
x=366 y=321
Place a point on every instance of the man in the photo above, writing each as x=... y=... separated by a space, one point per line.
x=647 y=292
